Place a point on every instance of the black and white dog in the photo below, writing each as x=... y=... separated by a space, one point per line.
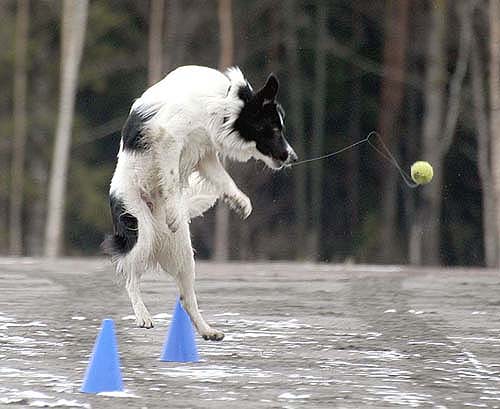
x=168 y=172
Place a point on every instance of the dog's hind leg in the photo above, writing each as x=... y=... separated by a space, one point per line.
x=176 y=257
x=126 y=248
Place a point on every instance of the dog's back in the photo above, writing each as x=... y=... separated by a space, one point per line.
x=181 y=86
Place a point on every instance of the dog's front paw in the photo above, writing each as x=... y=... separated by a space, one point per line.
x=213 y=335
x=240 y=203
x=173 y=220
x=173 y=224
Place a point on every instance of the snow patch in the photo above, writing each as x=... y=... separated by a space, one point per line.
x=118 y=394
x=288 y=395
x=59 y=403
x=162 y=316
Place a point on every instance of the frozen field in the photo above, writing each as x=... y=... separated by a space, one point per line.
x=297 y=336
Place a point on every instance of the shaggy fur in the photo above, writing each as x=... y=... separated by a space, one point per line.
x=169 y=171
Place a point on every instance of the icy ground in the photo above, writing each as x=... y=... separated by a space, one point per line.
x=297 y=336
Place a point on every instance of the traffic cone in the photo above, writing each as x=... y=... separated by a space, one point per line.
x=180 y=345
x=103 y=372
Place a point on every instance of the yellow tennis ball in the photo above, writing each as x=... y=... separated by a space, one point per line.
x=422 y=172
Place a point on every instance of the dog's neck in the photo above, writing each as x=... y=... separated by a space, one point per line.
x=226 y=138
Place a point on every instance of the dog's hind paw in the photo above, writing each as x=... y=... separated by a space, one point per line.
x=144 y=320
x=213 y=335
x=145 y=323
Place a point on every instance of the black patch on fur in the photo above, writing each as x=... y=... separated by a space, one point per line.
x=125 y=229
x=259 y=120
x=133 y=131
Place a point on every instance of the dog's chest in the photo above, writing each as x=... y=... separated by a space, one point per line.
x=195 y=148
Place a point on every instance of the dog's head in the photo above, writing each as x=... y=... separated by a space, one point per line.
x=260 y=122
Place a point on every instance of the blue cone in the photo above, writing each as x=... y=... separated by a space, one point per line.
x=103 y=373
x=180 y=345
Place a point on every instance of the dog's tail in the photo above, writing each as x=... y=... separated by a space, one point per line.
x=199 y=197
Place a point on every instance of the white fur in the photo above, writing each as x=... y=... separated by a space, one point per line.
x=180 y=177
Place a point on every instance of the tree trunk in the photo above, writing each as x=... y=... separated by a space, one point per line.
x=484 y=161
x=74 y=17
x=296 y=116
x=221 y=245
x=5 y=147
x=155 y=62
x=411 y=149
x=273 y=48
x=494 y=85
x=19 y=133
x=170 y=51
x=440 y=119
x=392 y=93
x=319 y=102
x=39 y=136
x=429 y=213
x=354 y=127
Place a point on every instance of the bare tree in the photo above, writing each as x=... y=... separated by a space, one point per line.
x=19 y=134
x=155 y=62
x=221 y=241
x=41 y=128
x=494 y=85
x=392 y=93
x=173 y=21
x=74 y=18
x=319 y=105
x=296 y=97
x=479 y=95
x=5 y=144
x=354 y=125
x=440 y=120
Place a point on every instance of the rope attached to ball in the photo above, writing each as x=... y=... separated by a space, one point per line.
x=421 y=171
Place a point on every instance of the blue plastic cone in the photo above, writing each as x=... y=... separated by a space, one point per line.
x=180 y=345
x=103 y=373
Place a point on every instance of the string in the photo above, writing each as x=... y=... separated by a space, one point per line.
x=387 y=155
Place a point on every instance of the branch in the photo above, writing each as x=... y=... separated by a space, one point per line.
x=102 y=131
x=465 y=8
x=365 y=64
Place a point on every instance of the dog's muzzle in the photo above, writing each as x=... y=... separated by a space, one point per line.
x=292 y=157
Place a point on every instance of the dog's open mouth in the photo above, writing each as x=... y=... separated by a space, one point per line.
x=277 y=164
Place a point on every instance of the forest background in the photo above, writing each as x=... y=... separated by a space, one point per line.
x=424 y=73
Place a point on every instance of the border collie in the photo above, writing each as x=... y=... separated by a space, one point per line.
x=169 y=171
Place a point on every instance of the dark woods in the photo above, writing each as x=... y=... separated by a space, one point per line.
x=425 y=74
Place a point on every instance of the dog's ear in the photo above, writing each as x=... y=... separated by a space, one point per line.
x=269 y=90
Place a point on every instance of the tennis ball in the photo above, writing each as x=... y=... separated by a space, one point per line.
x=421 y=172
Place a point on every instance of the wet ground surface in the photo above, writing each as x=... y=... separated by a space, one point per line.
x=297 y=336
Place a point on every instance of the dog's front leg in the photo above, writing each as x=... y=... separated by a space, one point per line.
x=168 y=153
x=212 y=170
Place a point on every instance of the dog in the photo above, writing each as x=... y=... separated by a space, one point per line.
x=169 y=170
